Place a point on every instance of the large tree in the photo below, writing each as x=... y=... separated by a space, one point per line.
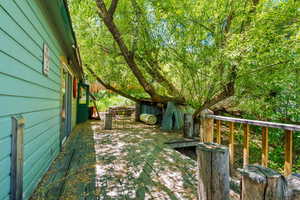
x=192 y=52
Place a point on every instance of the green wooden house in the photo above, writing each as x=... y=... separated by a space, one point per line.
x=39 y=70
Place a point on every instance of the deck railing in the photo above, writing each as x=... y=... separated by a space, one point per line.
x=207 y=135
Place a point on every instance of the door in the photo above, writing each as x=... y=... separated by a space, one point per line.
x=83 y=103
x=66 y=105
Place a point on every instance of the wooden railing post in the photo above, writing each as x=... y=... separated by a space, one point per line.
x=188 y=128
x=196 y=127
x=207 y=135
x=108 y=121
x=206 y=126
x=218 y=130
x=288 y=152
x=246 y=145
x=213 y=172
x=293 y=186
x=17 y=157
x=265 y=147
x=231 y=145
x=259 y=183
x=137 y=111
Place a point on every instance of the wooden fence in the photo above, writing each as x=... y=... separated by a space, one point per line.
x=257 y=182
x=207 y=135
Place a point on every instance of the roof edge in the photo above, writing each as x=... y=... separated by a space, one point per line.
x=59 y=22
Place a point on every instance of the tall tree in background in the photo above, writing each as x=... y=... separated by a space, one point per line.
x=193 y=52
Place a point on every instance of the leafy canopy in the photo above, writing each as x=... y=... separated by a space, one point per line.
x=200 y=47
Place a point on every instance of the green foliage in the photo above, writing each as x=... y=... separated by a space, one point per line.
x=200 y=46
x=195 y=45
x=112 y=100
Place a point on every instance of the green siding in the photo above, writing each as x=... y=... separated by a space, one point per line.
x=4 y=184
x=5 y=142
x=25 y=90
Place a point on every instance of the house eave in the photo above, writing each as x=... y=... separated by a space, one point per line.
x=57 y=13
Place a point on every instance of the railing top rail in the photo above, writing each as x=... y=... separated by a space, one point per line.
x=290 y=127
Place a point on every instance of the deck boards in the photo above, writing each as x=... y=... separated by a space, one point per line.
x=123 y=163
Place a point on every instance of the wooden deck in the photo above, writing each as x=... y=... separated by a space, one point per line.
x=123 y=163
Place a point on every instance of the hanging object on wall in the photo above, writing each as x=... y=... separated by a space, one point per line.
x=75 y=88
x=46 y=60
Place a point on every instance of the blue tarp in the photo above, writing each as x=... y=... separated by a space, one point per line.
x=172 y=118
x=149 y=109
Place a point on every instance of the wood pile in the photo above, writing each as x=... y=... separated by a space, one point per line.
x=148 y=119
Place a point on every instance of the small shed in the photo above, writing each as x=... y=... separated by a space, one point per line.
x=152 y=108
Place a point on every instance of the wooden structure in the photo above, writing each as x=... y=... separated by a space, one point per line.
x=213 y=170
x=17 y=157
x=137 y=111
x=125 y=164
x=121 y=110
x=206 y=135
x=260 y=183
x=72 y=173
x=206 y=127
x=83 y=102
x=108 y=121
x=40 y=67
x=293 y=187
x=188 y=128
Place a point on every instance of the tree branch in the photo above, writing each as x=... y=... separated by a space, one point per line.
x=150 y=64
x=129 y=58
x=203 y=26
x=226 y=93
x=108 y=21
x=108 y=50
x=113 y=7
x=111 y=88
x=152 y=68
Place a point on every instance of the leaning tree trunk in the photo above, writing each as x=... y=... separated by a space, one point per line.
x=111 y=88
x=108 y=21
x=129 y=57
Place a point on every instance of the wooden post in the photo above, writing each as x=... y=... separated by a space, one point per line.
x=293 y=187
x=196 y=127
x=288 y=152
x=213 y=172
x=259 y=183
x=231 y=145
x=188 y=129
x=137 y=111
x=108 y=121
x=98 y=114
x=246 y=145
x=206 y=126
x=265 y=147
x=218 y=130
x=17 y=158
